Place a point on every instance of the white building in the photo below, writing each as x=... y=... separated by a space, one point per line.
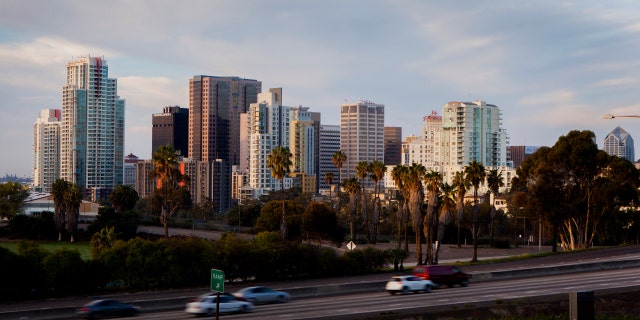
x=361 y=134
x=92 y=133
x=329 y=144
x=46 y=149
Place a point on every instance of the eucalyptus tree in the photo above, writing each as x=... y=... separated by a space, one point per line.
x=377 y=169
x=475 y=174
x=338 y=159
x=413 y=182
x=494 y=181
x=433 y=182
x=166 y=169
x=398 y=175
x=12 y=196
x=362 y=170
x=279 y=161
x=460 y=185
x=352 y=187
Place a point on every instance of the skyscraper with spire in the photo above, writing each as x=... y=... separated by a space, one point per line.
x=620 y=143
x=92 y=131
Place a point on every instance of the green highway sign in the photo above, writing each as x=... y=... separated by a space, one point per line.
x=217 y=280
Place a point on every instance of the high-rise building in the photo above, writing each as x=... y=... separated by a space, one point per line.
x=425 y=149
x=46 y=149
x=392 y=145
x=361 y=134
x=130 y=161
x=215 y=105
x=517 y=154
x=171 y=127
x=92 y=132
x=620 y=143
x=472 y=131
x=302 y=141
x=329 y=144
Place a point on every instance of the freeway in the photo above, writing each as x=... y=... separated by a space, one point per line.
x=495 y=293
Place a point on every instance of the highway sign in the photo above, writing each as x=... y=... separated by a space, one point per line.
x=217 y=280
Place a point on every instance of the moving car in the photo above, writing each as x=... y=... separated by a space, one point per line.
x=442 y=275
x=261 y=294
x=206 y=305
x=103 y=308
x=406 y=284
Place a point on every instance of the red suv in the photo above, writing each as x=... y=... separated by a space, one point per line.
x=442 y=275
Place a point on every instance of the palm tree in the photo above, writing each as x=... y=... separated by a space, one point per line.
x=378 y=170
x=72 y=200
x=58 y=189
x=413 y=182
x=475 y=174
x=362 y=168
x=123 y=198
x=328 y=179
x=398 y=175
x=351 y=186
x=461 y=185
x=166 y=169
x=279 y=161
x=433 y=180
x=494 y=182
x=447 y=206
x=339 y=158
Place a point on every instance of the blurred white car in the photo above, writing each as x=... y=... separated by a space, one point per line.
x=406 y=284
x=206 y=305
x=261 y=294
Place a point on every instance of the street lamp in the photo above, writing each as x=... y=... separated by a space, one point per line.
x=610 y=116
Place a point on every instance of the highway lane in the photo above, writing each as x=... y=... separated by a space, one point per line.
x=351 y=306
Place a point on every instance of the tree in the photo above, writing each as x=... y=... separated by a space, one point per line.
x=167 y=171
x=279 y=161
x=58 y=189
x=433 y=182
x=362 y=169
x=460 y=184
x=377 y=169
x=447 y=206
x=475 y=174
x=494 y=182
x=339 y=158
x=328 y=179
x=319 y=222
x=73 y=200
x=413 y=182
x=352 y=187
x=124 y=198
x=271 y=216
x=398 y=175
x=12 y=196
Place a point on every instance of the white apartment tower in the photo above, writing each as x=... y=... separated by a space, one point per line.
x=361 y=134
x=426 y=149
x=46 y=149
x=302 y=140
x=472 y=131
x=92 y=132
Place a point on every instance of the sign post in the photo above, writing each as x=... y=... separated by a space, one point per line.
x=217 y=285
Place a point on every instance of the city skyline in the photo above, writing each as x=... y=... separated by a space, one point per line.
x=550 y=66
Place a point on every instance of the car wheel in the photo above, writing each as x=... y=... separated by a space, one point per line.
x=392 y=292
x=281 y=299
x=427 y=288
x=210 y=312
x=245 y=309
x=405 y=290
x=464 y=283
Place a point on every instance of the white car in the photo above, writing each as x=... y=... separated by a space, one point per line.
x=261 y=294
x=406 y=284
x=206 y=305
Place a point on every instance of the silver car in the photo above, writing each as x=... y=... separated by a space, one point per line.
x=261 y=294
x=206 y=305
x=406 y=284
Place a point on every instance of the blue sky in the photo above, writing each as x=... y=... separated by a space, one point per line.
x=551 y=66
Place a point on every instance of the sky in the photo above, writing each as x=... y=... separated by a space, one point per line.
x=551 y=66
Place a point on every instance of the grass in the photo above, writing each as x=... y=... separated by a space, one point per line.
x=82 y=247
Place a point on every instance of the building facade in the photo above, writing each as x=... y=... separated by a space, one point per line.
x=130 y=170
x=329 y=144
x=392 y=145
x=361 y=134
x=620 y=143
x=46 y=149
x=92 y=131
x=171 y=127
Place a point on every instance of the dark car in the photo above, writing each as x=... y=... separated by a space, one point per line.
x=104 y=308
x=442 y=275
